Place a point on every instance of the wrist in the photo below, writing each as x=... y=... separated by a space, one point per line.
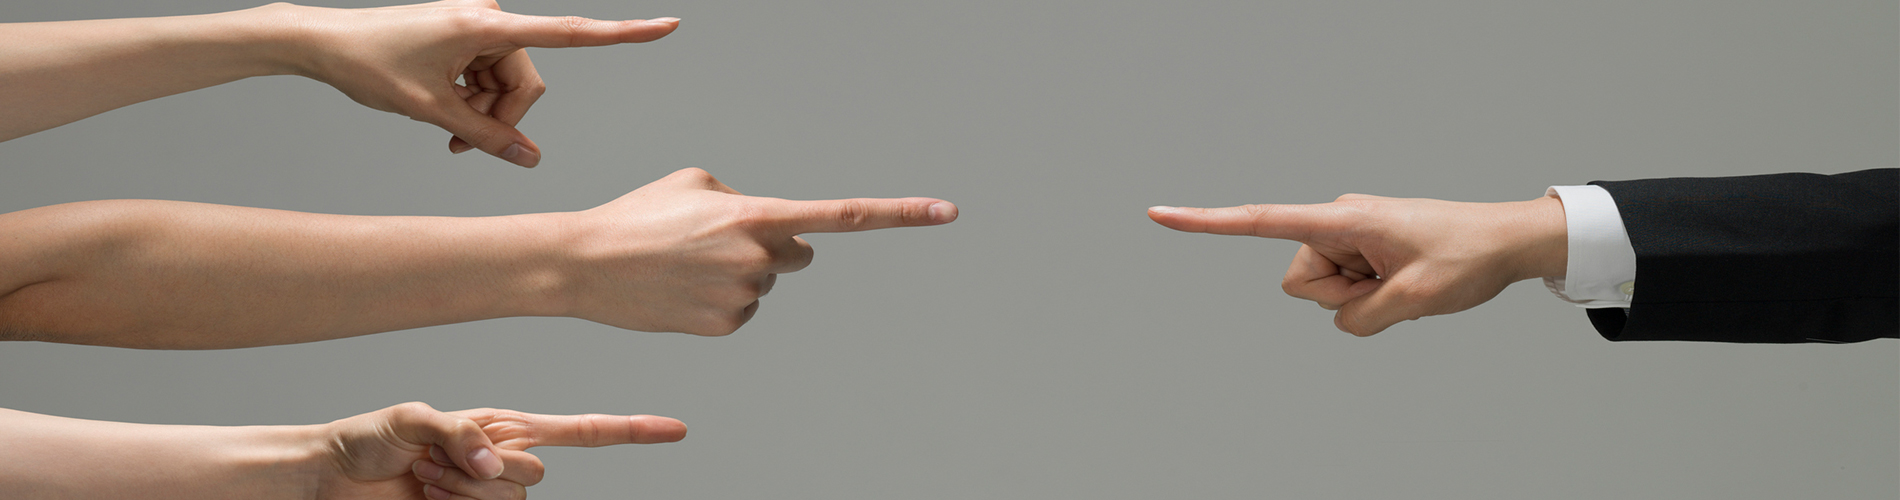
x=544 y=270
x=273 y=39
x=278 y=462
x=1539 y=238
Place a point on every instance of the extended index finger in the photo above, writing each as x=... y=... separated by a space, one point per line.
x=858 y=214
x=1287 y=222
x=561 y=32
x=596 y=430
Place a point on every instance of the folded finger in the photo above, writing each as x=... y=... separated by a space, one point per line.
x=519 y=86
x=453 y=483
x=467 y=446
x=1313 y=276
x=517 y=466
x=765 y=285
x=1386 y=305
x=792 y=255
x=484 y=132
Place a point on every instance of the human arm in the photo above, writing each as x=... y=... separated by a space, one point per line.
x=1378 y=261
x=685 y=253
x=399 y=452
x=403 y=59
x=1777 y=258
x=1780 y=258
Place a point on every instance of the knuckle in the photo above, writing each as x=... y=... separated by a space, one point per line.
x=694 y=174
x=1415 y=291
x=465 y=428
x=750 y=291
x=467 y=19
x=913 y=213
x=803 y=258
x=763 y=256
x=1261 y=215
x=481 y=135
x=589 y=430
x=749 y=217
x=412 y=409
x=852 y=214
x=747 y=260
x=573 y=26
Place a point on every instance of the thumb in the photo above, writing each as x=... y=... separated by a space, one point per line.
x=1287 y=222
x=563 y=32
x=1393 y=301
x=484 y=132
x=467 y=445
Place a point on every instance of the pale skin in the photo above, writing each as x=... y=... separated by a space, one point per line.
x=1378 y=261
x=404 y=60
x=683 y=254
x=404 y=452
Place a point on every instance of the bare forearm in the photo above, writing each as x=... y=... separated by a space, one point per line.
x=174 y=275
x=48 y=457
x=55 y=73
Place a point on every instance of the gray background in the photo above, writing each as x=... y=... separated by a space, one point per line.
x=1054 y=343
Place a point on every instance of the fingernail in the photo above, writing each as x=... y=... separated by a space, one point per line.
x=520 y=156
x=431 y=491
x=486 y=465
x=1161 y=209
x=943 y=212
x=428 y=470
x=664 y=20
x=460 y=149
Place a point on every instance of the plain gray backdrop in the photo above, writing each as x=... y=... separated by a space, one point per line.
x=1053 y=342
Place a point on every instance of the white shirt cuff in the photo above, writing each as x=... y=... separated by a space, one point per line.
x=1601 y=270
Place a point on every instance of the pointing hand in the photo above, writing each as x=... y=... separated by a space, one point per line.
x=1379 y=261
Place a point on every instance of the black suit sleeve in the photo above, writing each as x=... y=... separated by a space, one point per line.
x=1778 y=258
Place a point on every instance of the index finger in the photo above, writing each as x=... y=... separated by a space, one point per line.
x=859 y=214
x=1286 y=222
x=562 y=32
x=596 y=430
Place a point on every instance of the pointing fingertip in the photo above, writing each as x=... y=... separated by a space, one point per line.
x=942 y=212
x=1159 y=209
x=663 y=20
x=655 y=430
